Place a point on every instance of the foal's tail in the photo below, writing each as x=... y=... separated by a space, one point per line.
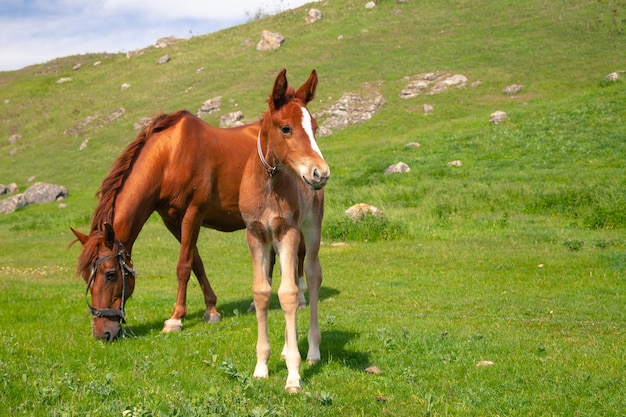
x=123 y=166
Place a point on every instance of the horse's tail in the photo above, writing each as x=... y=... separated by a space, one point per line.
x=122 y=167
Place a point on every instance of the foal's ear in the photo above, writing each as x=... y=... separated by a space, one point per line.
x=109 y=236
x=306 y=92
x=278 y=98
x=82 y=238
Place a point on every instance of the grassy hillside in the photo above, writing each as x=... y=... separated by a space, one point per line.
x=516 y=257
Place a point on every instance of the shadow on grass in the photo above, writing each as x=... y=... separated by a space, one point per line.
x=227 y=310
x=333 y=349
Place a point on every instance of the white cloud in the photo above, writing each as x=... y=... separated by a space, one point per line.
x=36 y=31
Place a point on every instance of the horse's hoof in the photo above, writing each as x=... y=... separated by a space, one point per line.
x=172 y=326
x=261 y=371
x=312 y=361
x=212 y=318
x=252 y=308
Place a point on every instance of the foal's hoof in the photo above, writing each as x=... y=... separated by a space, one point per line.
x=293 y=389
x=212 y=318
x=312 y=361
x=172 y=326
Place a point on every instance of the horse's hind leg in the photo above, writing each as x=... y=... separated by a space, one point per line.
x=210 y=299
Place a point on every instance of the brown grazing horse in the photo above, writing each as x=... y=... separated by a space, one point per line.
x=187 y=171
x=282 y=201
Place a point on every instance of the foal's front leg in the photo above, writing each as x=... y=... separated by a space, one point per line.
x=262 y=292
x=288 y=297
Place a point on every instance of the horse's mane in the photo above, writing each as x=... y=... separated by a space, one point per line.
x=113 y=183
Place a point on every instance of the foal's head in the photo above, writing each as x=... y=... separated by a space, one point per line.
x=290 y=128
x=106 y=267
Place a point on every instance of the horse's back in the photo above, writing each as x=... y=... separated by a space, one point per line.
x=194 y=164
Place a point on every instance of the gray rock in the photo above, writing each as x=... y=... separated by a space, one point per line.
x=513 y=88
x=40 y=193
x=10 y=204
x=232 y=119
x=397 y=168
x=349 y=109
x=498 y=117
x=210 y=106
x=313 y=16
x=431 y=83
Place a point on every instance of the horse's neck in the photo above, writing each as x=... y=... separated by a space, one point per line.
x=128 y=222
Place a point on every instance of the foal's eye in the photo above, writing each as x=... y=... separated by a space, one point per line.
x=110 y=275
x=285 y=130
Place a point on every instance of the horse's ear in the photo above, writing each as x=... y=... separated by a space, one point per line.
x=109 y=236
x=278 y=93
x=306 y=92
x=82 y=238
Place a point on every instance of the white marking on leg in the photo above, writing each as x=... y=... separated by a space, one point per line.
x=307 y=125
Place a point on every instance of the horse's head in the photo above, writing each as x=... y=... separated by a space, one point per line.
x=290 y=129
x=106 y=267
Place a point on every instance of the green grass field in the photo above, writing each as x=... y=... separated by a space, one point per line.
x=496 y=288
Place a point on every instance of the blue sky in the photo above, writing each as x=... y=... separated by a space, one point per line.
x=36 y=31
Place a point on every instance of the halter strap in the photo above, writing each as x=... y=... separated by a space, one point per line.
x=271 y=171
x=126 y=270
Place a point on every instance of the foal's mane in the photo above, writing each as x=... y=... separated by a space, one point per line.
x=113 y=183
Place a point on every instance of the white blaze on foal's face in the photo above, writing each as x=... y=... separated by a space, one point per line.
x=307 y=125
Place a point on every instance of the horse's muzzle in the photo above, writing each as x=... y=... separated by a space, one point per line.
x=106 y=329
x=318 y=177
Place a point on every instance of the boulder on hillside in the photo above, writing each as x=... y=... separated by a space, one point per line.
x=10 y=204
x=431 y=83
x=513 y=89
x=270 y=41
x=349 y=109
x=397 y=168
x=498 y=117
x=41 y=192
x=38 y=193
x=361 y=210
x=233 y=119
x=166 y=41
x=210 y=106
x=313 y=16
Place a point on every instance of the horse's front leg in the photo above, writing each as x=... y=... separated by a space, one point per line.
x=287 y=248
x=189 y=230
x=259 y=247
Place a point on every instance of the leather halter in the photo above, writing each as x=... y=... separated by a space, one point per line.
x=126 y=270
x=271 y=171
